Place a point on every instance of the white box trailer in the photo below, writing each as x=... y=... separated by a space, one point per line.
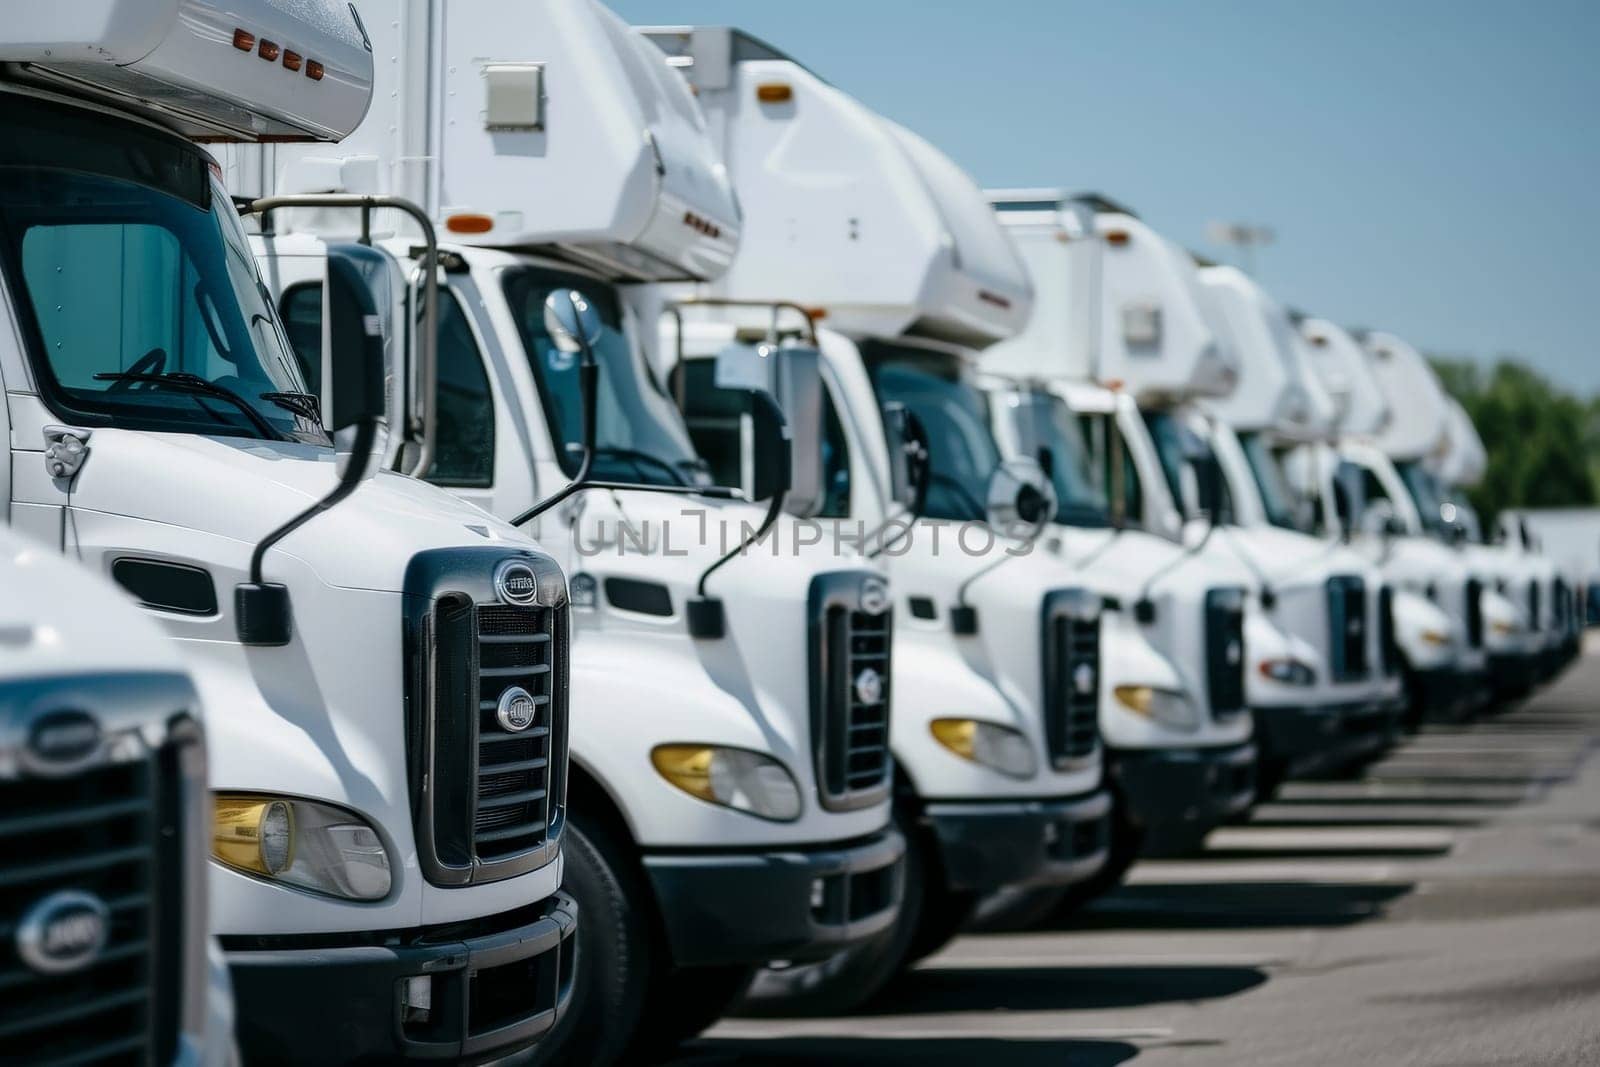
x=732 y=779
x=887 y=244
x=388 y=793
x=102 y=753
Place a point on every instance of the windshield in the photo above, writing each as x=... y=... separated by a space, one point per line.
x=140 y=299
x=639 y=435
x=962 y=453
x=1277 y=497
x=1047 y=427
x=1424 y=490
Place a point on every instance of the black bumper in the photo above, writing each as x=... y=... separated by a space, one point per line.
x=1188 y=790
x=741 y=907
x=1512 y=674
x=1445 y=693
x=495 y=987
x=984 y=845
x=1298 y=738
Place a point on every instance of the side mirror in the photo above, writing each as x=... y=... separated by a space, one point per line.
x=353 y=338
x=791 y=376
x=1021 y=501
x=772 y=459
x=1208 y=485
x=572 y=321
x=910 y=461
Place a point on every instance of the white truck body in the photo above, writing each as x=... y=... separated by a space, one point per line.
x=606 y=179
x=168 y=489
x=100 y=723
x=874 y=231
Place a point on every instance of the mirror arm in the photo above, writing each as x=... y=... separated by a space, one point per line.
x=355 y=469
x=428 y=338
x=774 y=508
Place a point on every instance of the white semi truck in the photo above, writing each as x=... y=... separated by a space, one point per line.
x=730 y=775
x=1134 y=318
x=997 y=672
x=1439 y=627
x=1323 y=589
x=104 y=829
x=387 y=665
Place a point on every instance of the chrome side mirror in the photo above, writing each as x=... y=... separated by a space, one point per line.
x=571 y=320
x=791 y=376
x=1021 y=501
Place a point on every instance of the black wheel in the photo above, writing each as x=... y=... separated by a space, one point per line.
x=683 y=1002
x=944 y=915
x=612 y=957
x=848 y=979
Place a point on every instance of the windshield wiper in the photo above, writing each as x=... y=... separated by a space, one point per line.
x=201 y=386
x=634 y=456
x=306 y=405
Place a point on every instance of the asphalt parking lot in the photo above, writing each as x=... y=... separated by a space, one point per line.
x=1444 y=909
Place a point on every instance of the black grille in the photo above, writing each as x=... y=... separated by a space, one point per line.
x=1071 y=654
x=1347 y=627
x=115 y=833
x=1533 y=605
x=850 y=721
x=1224 y=630
x=1388 y=641
x=511 y=809
x=1474 y=613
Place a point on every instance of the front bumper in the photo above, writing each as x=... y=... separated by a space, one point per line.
x=495 y=986
x=1298 y=738
x=984 y=845
x=743 y=907
x=1445 y=693
x=1188 y=790
x=1513 y=674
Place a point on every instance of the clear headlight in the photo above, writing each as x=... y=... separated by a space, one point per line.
x=301 y=843
x=1288 y=671
x=732 y=777
x=1165 y=706
x=997 y=747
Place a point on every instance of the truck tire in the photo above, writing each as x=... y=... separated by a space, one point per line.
x=683 y=1003
x=612 y=956
x=848 y=979
x=1127 y=841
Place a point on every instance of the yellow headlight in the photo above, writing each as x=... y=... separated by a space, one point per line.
x=1503 y=628
x=958 y=735
x=1437 y=638
x=253 y=834
x=686 y=766
x=994 y=746
x=1136 y=698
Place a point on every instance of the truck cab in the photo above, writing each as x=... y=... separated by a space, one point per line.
x=731 y=777
x=105 y=828
x=388 y=781
x=885 y=244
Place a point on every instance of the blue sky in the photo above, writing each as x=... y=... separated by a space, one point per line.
x=1431 y=167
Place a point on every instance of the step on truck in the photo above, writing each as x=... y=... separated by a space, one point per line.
x=388 y=665
x=1425 y=636
x=872 y=234
x=103 y=829
x=731 y=774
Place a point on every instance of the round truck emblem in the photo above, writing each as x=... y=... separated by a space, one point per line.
x=515 y=583
x=1233 y=653
x=64 y=740
x=64 y=932
x=1083 y=679
x=874 y=596
x=516 y=710
x=869 y=686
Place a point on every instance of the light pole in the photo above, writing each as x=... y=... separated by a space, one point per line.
x=1247 y=237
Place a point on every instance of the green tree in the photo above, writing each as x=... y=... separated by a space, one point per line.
x=1543 y=442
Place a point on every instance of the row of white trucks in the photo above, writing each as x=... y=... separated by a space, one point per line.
x=635 y=532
